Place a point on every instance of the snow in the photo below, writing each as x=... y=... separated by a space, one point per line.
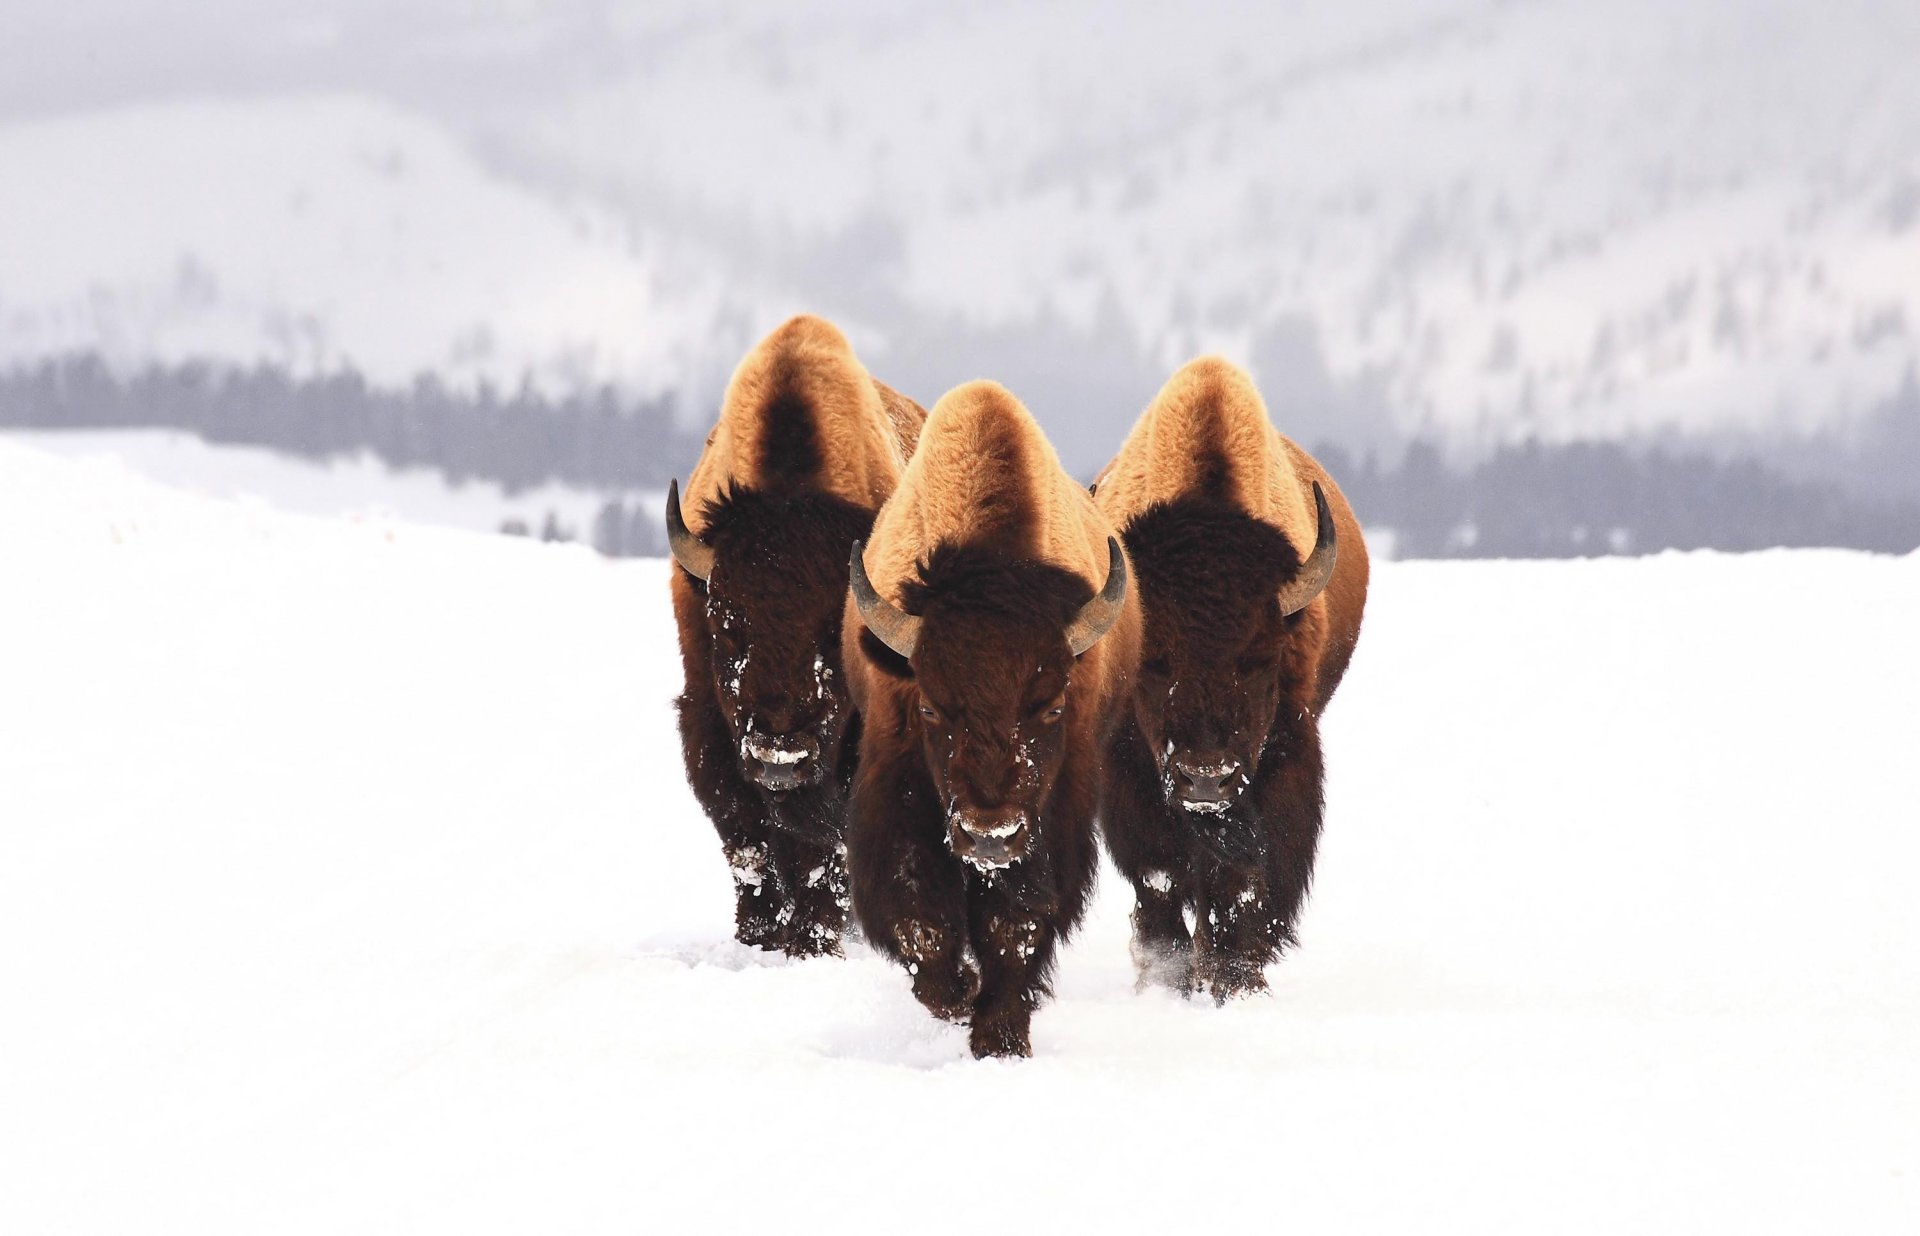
x=319 y=231
x=1510 y=220
x=360 y=487
x=1477 y=221
x=350 y=882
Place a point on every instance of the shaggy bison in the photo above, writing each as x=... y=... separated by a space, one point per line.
x=1253 y=576
x=807 y=448
x=991 y=636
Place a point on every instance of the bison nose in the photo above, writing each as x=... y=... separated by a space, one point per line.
x=989 y=837
x=782 y=761
x=1206 y=783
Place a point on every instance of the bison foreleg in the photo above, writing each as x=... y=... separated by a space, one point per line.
x=813 y=887
x=1015 y=945
x=1248 y=915
x=1291 y=807
x=1146 y=847
x=1233 y=932
x=908 y=892
x=738 y=813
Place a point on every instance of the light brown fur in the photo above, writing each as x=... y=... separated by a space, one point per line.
x=865 y=430
x=1210 y=414
x=984 y=471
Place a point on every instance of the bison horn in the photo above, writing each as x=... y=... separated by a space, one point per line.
x=1317 y=571
x=1097 y=616
x=692 y=553
x=896 y=628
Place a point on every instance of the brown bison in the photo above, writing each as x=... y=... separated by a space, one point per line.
x=991 y=637
x=1253 y=576
x=807 y=448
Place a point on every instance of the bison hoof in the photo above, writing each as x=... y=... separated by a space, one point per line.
x=947 y=994
x=816 y=941
x=1231 y=980
x=999 y=1039
x=1163 y=965
x=757 y=932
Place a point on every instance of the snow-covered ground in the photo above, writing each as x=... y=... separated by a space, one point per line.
x=361 y=488
x=348 y=882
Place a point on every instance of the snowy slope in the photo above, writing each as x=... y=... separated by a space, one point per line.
x=1492 y=219
x=316 y=232
x=1480 y=218
x=350 y=883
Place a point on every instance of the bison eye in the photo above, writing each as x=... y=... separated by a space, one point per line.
x=1048 y=711
x=928 y=711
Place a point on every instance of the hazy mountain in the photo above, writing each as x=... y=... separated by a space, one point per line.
x=1486 y=220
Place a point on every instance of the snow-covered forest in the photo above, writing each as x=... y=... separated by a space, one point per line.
x=592 y=465
x=1461 y=222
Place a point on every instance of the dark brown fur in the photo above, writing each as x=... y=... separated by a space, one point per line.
x=1225 y=681
x=760 y=638
x=971 y=844
x=970 y=725
x=774 y=603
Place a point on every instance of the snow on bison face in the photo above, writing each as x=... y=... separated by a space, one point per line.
x=1222 y=594
x=775 y=581
x=991 y=646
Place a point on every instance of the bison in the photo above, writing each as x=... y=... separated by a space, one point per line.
x=807 y=448
x=991 y=637
x=1253 y=576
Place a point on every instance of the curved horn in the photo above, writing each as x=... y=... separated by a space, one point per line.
x=1097 y=616
x=895 y=628
x=1317 y=571
x=692 y=553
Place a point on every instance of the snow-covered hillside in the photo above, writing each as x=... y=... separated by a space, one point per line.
x=320 y=232
x=1548 y=218
x=1477 y=217
x=350 y=883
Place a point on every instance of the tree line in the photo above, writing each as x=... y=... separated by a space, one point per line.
x=595 y=439
x=1588 y=499
x=1533 y=500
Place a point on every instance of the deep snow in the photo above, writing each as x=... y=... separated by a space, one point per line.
x=350 y=883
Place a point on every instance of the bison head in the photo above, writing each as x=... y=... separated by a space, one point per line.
x=772 y=571
x=1221 y=591
x=991 y=646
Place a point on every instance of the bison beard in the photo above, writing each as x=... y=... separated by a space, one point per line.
x=1208 y=575
x=777 y=587
x=979 y=942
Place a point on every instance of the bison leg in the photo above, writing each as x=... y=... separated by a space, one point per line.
x=813 y=907
x=1162 y=947
x=1248 y=915
x=1015 y=945
x=1234 y=943
x=1291 y=806
x=738 y=813
x=757 y=899
x=1145 y=846
x=908 y=891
